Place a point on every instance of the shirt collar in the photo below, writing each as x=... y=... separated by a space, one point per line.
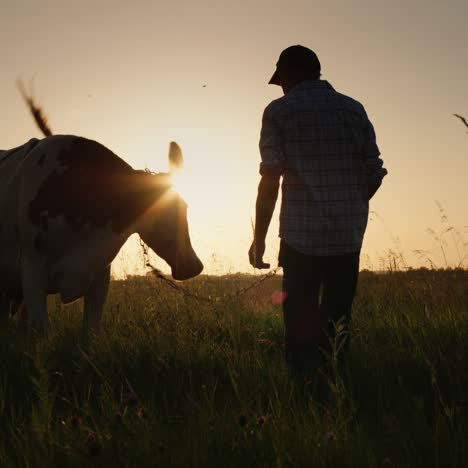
x=313 y=84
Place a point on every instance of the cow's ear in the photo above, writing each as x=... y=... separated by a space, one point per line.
x=176 y=159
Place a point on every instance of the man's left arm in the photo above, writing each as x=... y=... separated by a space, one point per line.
x=374 y=164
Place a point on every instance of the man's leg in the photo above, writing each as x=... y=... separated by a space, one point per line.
x=339 y=288
x=302 y=320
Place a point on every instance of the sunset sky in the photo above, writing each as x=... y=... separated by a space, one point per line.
x=135 y=75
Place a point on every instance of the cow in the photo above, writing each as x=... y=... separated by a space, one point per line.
x=67 y=205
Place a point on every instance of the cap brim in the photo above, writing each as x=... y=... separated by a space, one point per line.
x=275 y=79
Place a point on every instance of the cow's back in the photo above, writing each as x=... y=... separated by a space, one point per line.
x=23 y=170
x=11 y=164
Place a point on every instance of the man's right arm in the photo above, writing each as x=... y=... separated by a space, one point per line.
x=271 y=169
x=264 y=208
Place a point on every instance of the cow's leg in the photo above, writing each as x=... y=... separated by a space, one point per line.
x=35 y=297
x=16 y=306
x=94 y=300
x=22 y=312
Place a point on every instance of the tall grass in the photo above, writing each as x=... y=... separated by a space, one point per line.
x=175 y=382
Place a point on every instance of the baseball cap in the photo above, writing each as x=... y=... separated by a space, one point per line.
x=296 y=57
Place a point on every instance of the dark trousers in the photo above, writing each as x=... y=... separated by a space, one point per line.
x=318 y=295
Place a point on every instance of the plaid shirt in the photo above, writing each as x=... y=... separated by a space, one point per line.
x=323 y=145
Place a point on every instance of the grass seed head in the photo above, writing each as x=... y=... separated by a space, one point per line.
x=141 y=413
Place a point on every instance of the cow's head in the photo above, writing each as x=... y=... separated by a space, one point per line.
x=164 y=226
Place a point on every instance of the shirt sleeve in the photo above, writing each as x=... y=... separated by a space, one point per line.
x=373 y=163
x=271 y=148
x=365 y=139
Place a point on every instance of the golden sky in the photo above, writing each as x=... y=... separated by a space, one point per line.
x=132 y=75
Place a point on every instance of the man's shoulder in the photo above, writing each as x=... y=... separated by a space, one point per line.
x=333 y=98
x=277 y=105
x=349 y=103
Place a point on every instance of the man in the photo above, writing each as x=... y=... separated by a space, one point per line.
x=323 y=146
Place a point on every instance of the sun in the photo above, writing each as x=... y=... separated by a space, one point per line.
x=183 y=183
x=202 y=192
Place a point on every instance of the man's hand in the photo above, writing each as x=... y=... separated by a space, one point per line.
x=266 y=200
x=256 y=251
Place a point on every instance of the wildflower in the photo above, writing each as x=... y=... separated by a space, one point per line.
x=261 y=420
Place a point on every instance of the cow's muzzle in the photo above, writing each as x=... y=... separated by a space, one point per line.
x=187 y=270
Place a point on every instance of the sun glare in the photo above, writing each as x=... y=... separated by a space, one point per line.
x=183 y=184
x=201 y=192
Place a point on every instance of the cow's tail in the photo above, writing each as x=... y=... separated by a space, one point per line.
x=36 y=111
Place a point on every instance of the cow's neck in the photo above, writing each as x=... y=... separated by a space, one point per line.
x=138 y=196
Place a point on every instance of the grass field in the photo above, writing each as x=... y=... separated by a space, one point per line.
x=172 y=381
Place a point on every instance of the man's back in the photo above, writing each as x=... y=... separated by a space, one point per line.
x=324 y=146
